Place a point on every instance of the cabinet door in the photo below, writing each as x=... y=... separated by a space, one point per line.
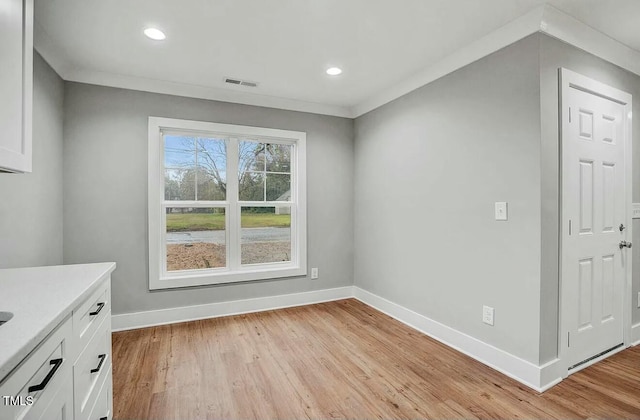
x=103 y=408
x=16 y=80
x=61 y=406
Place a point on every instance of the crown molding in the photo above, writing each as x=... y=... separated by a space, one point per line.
x=545 y=19
x=566 y=28
x=201 y=92
x=494 y=41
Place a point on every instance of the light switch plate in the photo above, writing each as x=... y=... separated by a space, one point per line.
x=501 y=210
x=635 y=210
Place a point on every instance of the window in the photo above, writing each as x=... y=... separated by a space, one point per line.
x=227 y=203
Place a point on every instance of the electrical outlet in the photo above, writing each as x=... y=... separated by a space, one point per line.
x=314 y=273
x=501 y=210
x=487 y=315
x=635 y=211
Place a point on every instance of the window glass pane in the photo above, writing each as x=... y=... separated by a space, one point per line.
x=266 y=234
x=251 y=156
x=179 y=151
x=196 y=238
x=208 y=187
x=195 y=168
x=251 y=186
x=180 y=166
x=278 y=158
x=251 y=165
x=278 y=187
x=211 y=156
x=177 y=185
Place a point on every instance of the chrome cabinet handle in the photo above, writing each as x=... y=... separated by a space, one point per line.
x=624 y=244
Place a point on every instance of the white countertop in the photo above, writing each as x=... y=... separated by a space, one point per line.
x=40 y=298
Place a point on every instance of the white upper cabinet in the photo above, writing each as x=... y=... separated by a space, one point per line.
x=16 y=84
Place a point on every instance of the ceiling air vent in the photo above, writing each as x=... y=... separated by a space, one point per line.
x=236 y=81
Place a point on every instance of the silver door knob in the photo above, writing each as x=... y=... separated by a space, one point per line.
x=625 y=244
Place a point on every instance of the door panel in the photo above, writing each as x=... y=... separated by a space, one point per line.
x=608 y=196
x=586 y=196
x=608 y=287
x=585 y=291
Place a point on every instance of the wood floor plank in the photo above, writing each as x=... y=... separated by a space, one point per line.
x=339 y=359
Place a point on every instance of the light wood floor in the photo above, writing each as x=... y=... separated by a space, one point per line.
x=339 y=360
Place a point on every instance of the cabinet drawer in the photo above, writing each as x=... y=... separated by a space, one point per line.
x=42 y=375
x=103 y=408
x=91 y=369
x=88 y=316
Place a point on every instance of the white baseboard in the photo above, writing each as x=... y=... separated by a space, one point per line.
x=539 y=378
x=635 y=335
x=136 y=320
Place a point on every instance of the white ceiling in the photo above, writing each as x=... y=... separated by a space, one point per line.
x=286 y=45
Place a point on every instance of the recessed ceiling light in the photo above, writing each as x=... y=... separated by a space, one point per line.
x=334 y=71
x=155 y=34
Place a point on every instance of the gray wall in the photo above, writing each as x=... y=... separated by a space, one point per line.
x=31 y=204
x=428 y=168
x=555 y=54
x=105 y=191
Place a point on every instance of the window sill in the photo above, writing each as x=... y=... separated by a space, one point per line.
x=222 y=277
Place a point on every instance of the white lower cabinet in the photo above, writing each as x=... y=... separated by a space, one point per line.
x=68 y=375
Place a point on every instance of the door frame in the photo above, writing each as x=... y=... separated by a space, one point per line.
x=571 y=80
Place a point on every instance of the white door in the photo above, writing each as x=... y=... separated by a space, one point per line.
x=595 y=196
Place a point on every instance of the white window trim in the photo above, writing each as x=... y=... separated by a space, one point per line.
x=158 y=279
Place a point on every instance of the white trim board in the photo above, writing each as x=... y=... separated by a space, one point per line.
x=545 y=19
x=539 y=378
x=635 y=335
x=136 y=320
